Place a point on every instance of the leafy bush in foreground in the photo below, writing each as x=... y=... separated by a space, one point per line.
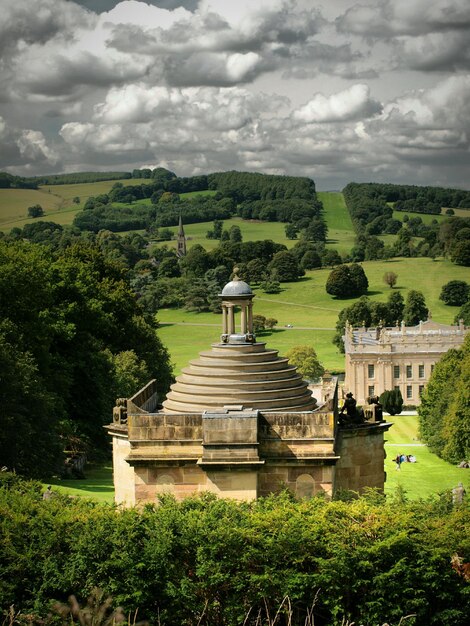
x=209 y=561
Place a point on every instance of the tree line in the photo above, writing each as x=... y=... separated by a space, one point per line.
x=286 y=199
x=444 y=413
x=372 y=215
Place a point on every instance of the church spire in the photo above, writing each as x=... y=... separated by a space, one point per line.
x=181 y=242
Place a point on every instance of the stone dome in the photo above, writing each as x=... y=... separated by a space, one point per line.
x=236 y=287
x=247 y=375
x=238 y=371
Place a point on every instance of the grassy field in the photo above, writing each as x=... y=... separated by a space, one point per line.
x=97 y=484
x=56 y=200
x=252 y=230
x=341 y=233
x=312 y=312
x=429 y=475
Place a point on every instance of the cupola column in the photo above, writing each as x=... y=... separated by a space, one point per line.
x=243 y=320
x=231 y=319
x=224 y=319
x=250 y=317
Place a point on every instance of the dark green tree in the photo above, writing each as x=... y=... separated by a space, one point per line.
x=235 y=234
x=415 y=308
x=392 y=401
x=461 y=253
x=455 y=292
x=396 y=306
x=35 y=211
x=463 y=314
x=444 y=413
x=346 y=281
x=284 y=266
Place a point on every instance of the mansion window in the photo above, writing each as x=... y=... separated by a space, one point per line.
x=421 y=389
x=397 y=387
x=409 y=392
x=396 y=371
x=409 y=371
x=371 y=390
x=370 y=370
x=421 y=371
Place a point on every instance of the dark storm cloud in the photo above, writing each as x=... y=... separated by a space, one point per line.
x=19 y=25
x=196 y=86
x=391 y=18
x=102 y=6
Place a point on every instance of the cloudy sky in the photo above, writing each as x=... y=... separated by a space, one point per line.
x=336 y=90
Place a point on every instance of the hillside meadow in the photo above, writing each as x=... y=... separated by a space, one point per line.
x=56 y=200
x=311 y=311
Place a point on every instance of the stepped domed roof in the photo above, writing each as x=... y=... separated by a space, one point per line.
x=236 y=287
x=239 y=370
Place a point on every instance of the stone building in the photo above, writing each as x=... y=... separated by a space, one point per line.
x=403 y=357
x=180 y=240
x=240 y=422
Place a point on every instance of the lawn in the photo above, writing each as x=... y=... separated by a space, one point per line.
x=312 y=312
x=429 y=475
x=341 y=233
x=97 y=484
x=56 y=200
x=252 y=230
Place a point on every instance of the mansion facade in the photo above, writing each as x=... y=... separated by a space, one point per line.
x=401 y=357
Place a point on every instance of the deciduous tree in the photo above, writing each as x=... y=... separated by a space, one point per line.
x=306 y=361
x=390 y=279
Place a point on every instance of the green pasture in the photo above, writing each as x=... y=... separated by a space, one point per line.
x=195 y=194
x=311 y=311
x=252 y=230
x=56 y=200
x=428 y=218
x=97 y=484
x=429 y=475
x=341 y=234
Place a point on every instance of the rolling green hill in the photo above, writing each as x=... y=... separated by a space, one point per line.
x=312 y=312
x=56 y=200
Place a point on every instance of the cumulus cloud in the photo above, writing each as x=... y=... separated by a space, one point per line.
x=388 y=18
x=21 y=26
x=435 y=52
x=24 y=147
x=352 y=103
x=182 y=83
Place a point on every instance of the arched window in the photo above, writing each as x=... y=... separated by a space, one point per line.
x=304 y=486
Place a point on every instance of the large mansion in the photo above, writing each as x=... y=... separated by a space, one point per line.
x=403 y=357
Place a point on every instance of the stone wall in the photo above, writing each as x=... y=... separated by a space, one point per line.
x=361 y=457
x=243 y=454
x=123 y=473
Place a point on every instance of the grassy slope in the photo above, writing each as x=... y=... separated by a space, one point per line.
x=56 y=200
x=305 y=304
x=340 y=229
x=429 y=474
